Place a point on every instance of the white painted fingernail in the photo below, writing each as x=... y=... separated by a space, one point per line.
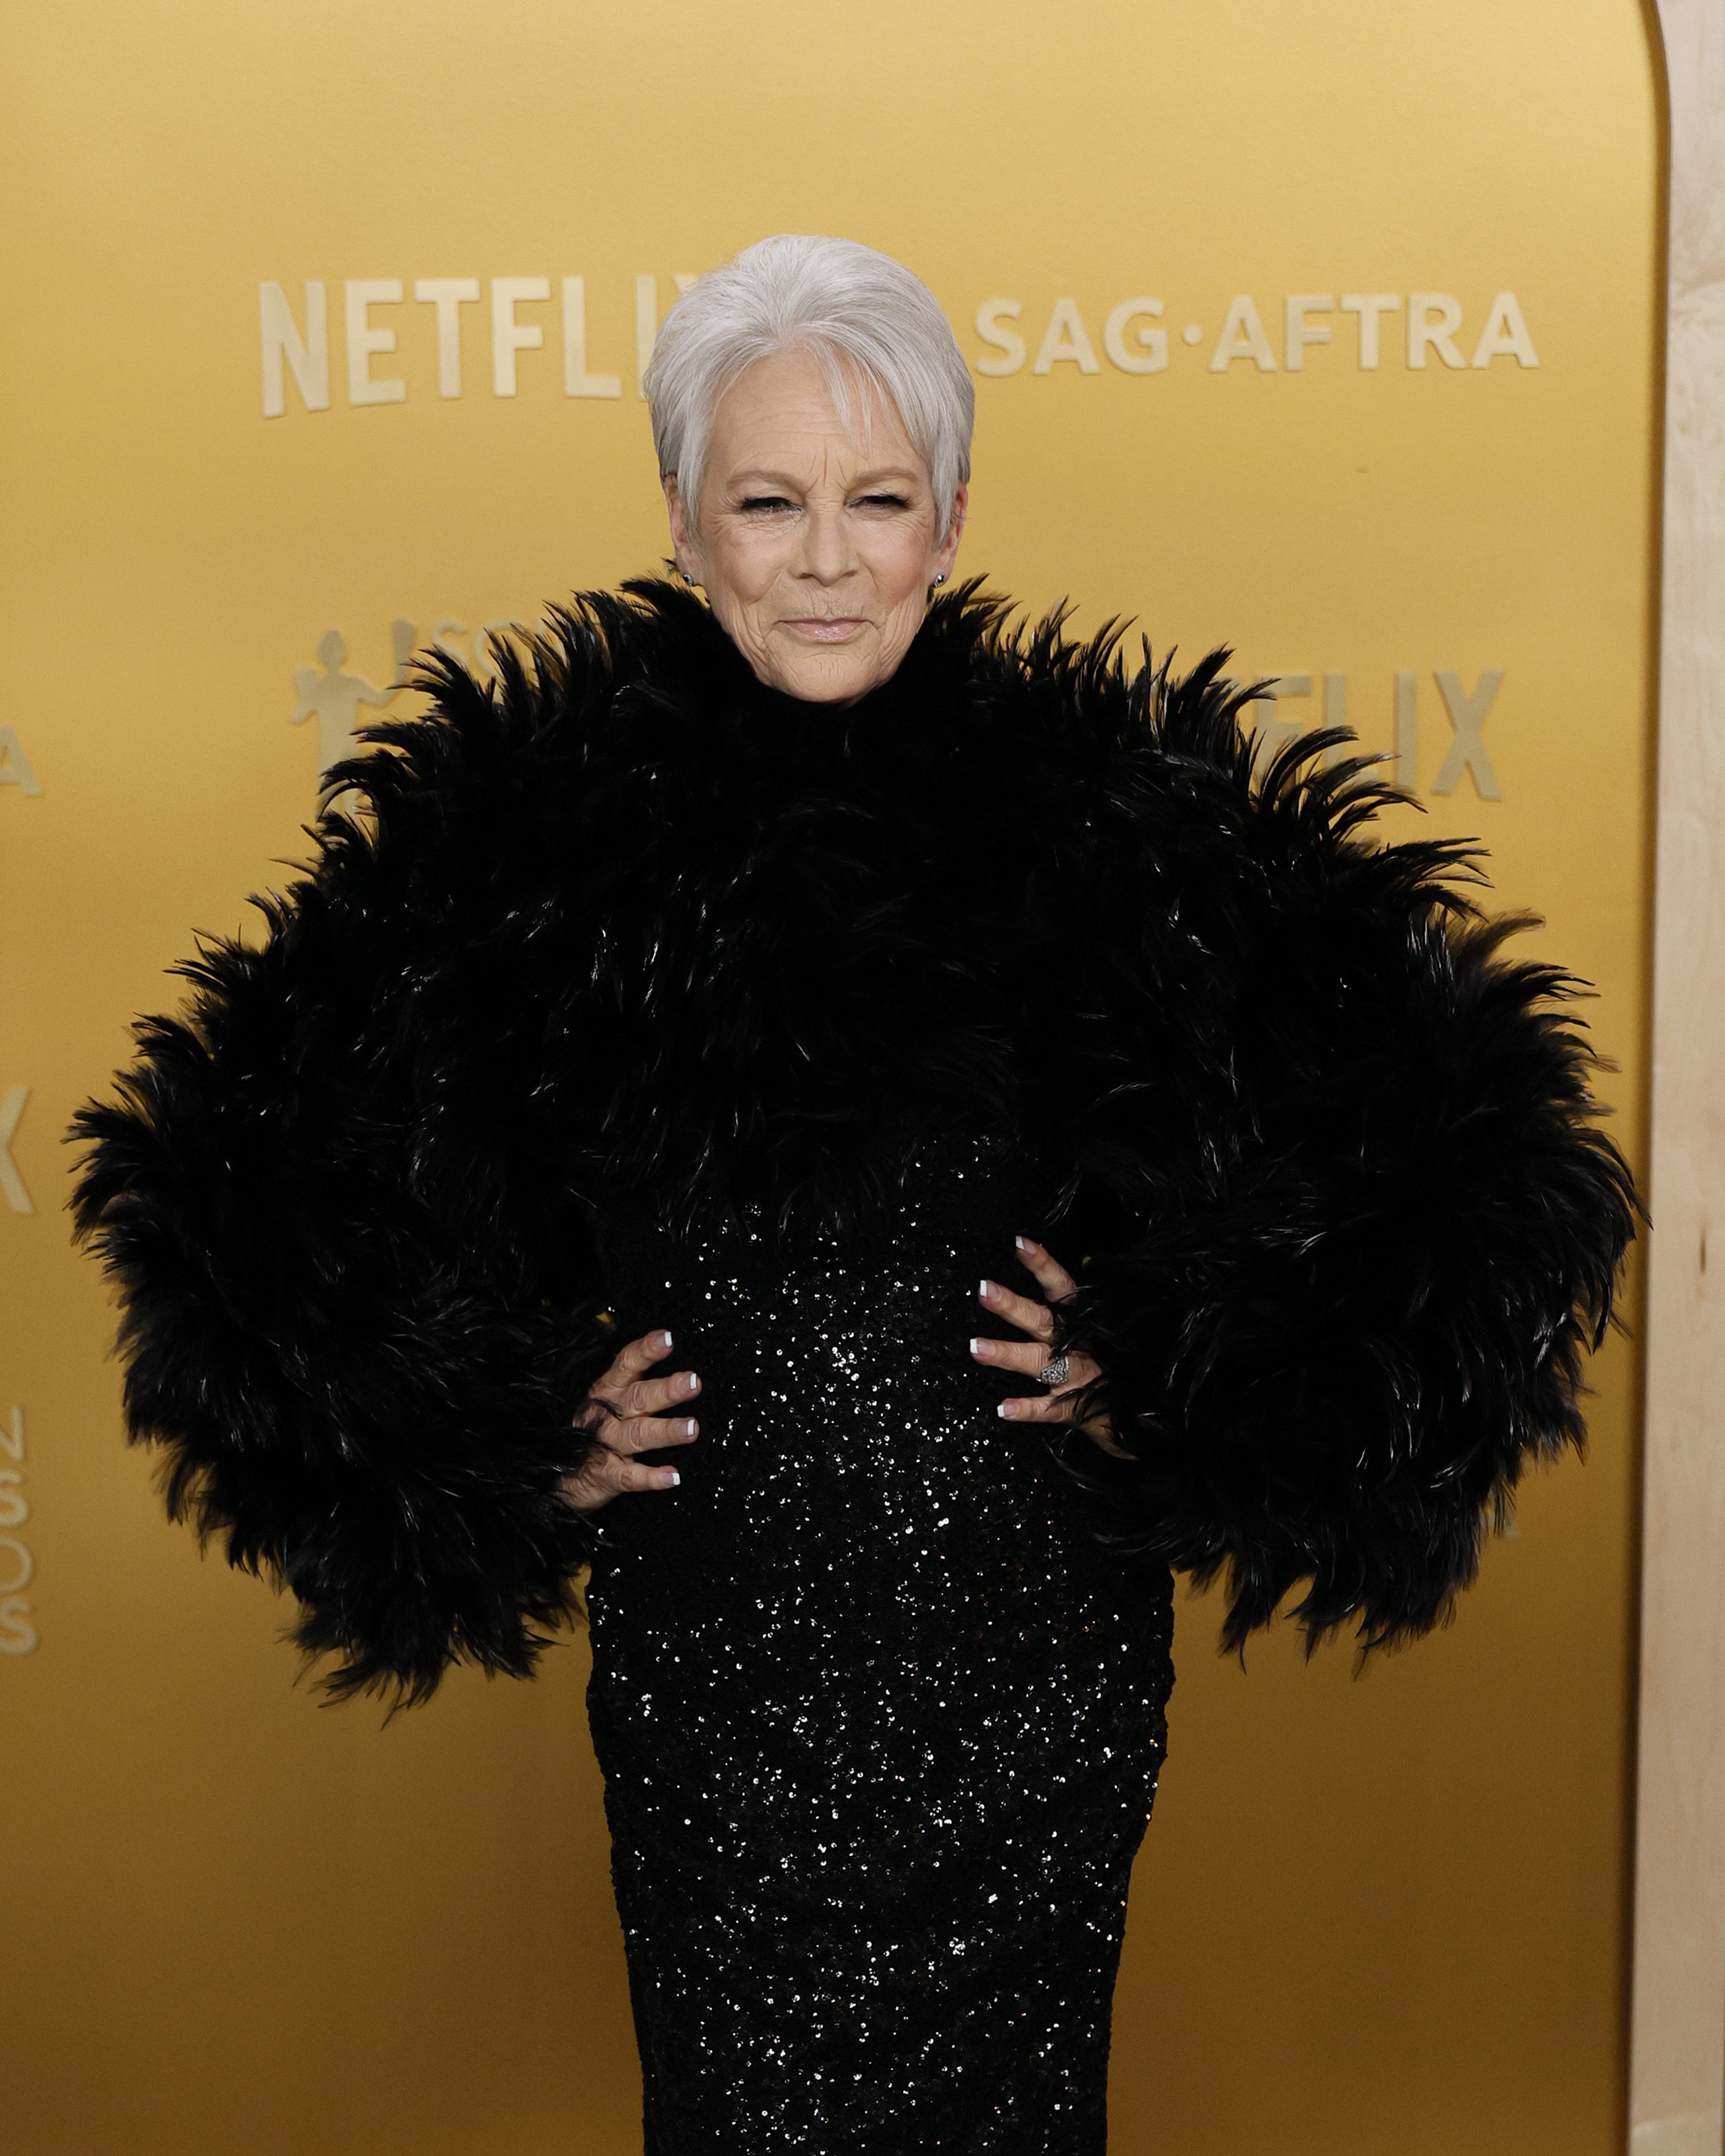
x=665 y=1341
x=675 y=1478
x=1024 y=1243
x=1002 y=1412
x=984 y=1289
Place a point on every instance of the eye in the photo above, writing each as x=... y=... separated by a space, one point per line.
x=883 y=501
x=764 y=504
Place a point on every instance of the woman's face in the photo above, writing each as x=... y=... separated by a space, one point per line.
x=816 y=552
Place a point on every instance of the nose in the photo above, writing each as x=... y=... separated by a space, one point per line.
x=827 y=558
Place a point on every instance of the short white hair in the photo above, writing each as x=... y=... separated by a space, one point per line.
x=857 y=312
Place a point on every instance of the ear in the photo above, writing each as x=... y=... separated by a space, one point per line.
x=684 y=549
x=946 y=551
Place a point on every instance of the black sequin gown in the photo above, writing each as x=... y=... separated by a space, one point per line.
x=880 y=1723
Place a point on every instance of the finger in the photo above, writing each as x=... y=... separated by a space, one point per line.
x=1052 y=1277
x=606 y=1476
x=1062 y=1406
x=636 y=1474
x=1034 y=1318
x=1038 y=1407
x=648 y=1396
x=1061 y=1403
x=631 y=1360
x=627 y=1433
x=1029 y=1356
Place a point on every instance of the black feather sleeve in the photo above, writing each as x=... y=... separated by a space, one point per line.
x=347 y=1314
x=1365 y=1227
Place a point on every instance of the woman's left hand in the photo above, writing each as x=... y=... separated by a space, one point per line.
x=1057 y=1403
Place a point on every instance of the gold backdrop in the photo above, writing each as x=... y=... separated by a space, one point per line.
x=1383 y=1915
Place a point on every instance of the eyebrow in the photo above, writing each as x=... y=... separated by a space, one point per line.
x=747 y=479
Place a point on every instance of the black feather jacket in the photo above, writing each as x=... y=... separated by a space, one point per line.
x=632 y=930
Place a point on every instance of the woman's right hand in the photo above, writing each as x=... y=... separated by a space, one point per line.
x=629 y=1413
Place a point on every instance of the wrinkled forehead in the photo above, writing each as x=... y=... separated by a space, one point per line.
x=803 y=409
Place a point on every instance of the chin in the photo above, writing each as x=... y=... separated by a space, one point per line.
x=831 y=679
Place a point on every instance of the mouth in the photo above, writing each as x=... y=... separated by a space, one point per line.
x=825 y=628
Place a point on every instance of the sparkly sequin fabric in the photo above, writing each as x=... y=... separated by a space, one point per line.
x=880 y=1723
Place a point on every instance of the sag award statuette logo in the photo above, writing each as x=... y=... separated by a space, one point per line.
x=333 y=696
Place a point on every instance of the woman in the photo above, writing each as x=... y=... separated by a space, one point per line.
x=747 y=975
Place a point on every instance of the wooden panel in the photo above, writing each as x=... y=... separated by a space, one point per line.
x=1678 y=2047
